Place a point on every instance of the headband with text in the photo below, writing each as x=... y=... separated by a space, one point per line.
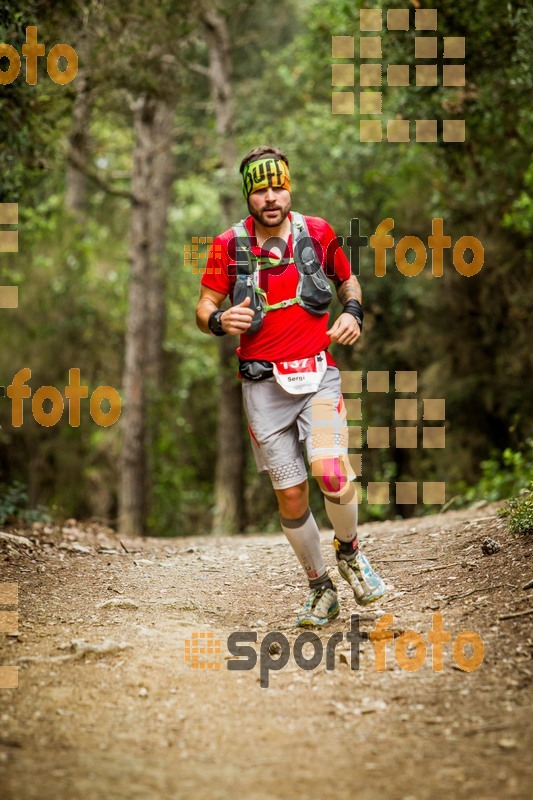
x=263 y=173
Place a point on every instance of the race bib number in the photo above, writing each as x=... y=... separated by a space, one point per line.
x=301 y=377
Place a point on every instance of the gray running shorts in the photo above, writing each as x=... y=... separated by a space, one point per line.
x=282 y=424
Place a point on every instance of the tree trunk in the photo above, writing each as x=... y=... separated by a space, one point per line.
x=163 y=170
x=152 y=175
x=229 y=479
x=79 y=146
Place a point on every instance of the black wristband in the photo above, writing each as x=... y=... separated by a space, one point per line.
x=214 y=324
x=354 y=308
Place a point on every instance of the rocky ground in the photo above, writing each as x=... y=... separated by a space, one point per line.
x=109 y=707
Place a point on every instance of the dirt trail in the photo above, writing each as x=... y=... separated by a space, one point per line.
x=142 y=723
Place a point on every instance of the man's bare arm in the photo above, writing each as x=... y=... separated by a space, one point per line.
x=346 y=329
x=209 y=301
x=349 y=290
x=236 y=319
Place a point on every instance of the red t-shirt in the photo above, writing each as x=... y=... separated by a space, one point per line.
x=288 y=333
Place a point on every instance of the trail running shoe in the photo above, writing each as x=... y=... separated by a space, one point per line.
x=366 y=583
x=321 y=607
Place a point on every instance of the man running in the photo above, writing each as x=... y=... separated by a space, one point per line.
x=274 y=266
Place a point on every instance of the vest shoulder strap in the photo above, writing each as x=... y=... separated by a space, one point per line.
x=299 y=227
x=239 y=229
x=245 y=261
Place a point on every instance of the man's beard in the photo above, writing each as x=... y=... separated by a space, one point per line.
x=270 y=222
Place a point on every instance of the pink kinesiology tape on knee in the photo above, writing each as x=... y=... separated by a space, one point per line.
x=334 y=481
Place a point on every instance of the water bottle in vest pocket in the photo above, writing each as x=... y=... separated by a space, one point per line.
x=313 y=286
x=245 y=287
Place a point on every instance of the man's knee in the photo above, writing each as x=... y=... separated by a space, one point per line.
x=333 y=477
x=293 y=500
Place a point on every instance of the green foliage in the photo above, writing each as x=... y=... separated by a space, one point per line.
x=519 y=512
x=14 y=506
x=71 y=316
x=503 y=475
x=520 y=217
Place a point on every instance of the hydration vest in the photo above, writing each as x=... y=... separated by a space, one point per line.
x=313 y=291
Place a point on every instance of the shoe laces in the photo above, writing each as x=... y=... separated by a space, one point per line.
x=352 y=563
x=316 y=595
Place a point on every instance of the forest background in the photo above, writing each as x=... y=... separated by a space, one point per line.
x=116 y=172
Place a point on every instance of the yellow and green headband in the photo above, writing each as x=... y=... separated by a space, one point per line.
x=263 y=173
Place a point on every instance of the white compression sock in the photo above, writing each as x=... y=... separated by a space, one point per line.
x=304 y=538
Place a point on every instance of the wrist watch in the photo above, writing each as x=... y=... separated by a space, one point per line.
x=215 y=325
x=354 y=308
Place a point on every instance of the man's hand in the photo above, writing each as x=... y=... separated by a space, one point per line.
x=237 y=319
x=345 y=330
